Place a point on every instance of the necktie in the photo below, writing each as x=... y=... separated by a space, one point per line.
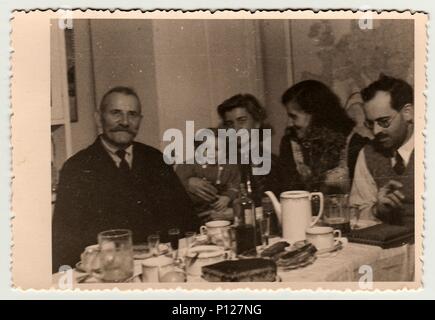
x=124 y=168
x=399 y=167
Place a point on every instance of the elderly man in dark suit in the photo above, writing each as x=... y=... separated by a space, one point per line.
x=116 y=183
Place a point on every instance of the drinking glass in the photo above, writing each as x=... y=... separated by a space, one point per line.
x=226 y=240
x=355 y=213
x=336 y=213
x=233 y=243
x=264 y=225
x=153 y=243
x=190 y=238
x=174 y=237
x=116 y=255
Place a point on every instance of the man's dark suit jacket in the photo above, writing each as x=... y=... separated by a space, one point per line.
x=93 y=196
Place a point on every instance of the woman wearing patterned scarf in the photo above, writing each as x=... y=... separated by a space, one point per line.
x=313 y=152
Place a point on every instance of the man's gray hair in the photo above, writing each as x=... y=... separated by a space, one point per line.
x=120 y=89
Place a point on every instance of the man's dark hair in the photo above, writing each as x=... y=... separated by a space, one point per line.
x=400 y=91
x=245 y=101
x=319 y=101
x=124 y=90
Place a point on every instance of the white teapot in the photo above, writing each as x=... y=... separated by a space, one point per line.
x=294 y=213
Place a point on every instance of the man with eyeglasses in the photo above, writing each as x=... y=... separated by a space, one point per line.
x=383 y=185
x=116 y=183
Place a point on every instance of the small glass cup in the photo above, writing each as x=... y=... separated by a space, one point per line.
x=174 y=237
x=153 y=243
x=354 y=213
x=190 y=238
x=336 y=213
x=231 y=254
x=116 y=255
x=264 y=225
x=226 y=239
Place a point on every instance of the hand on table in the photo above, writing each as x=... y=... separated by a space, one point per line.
x=390 y=197
x=202 y=188
x=221 y=203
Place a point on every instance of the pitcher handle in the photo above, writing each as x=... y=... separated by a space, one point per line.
x=320 y=195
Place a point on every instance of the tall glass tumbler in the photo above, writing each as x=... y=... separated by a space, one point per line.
x=116 y=255
x=174 y=238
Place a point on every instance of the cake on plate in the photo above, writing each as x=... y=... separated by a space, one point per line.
x=245 y=270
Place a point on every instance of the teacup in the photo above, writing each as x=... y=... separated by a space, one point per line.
x=215 y=230
x=156 y=267
x=323 y=237
x=200 y=256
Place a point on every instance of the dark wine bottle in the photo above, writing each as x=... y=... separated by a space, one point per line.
x=257 y=209
x=245 y=228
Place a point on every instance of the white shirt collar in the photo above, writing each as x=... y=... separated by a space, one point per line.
x=406 y=149
x=112 y=152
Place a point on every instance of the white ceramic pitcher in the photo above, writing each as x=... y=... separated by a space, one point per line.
x=294 y=213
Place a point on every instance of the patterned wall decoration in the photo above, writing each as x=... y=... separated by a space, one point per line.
x=346 y=57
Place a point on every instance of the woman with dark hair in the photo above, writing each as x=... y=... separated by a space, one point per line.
x=313 y=152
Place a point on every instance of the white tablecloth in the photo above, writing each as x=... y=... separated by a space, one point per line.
x=396 y=264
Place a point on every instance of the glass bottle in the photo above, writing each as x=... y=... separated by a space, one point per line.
x=245 y=231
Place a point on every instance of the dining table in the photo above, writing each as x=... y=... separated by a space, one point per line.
x=349 y=264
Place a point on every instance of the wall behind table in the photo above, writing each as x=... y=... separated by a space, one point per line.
x=123 y=55
x=84 y=130
x=201 y=63
x=278 y=74
x=181 y=69
x=348 y=58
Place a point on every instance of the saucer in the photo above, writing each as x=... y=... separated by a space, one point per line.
x=338 y=246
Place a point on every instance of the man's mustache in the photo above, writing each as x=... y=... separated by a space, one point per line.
x=380 y=136
x=122 y=129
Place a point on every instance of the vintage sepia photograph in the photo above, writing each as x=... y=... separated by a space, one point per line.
x=233 y=151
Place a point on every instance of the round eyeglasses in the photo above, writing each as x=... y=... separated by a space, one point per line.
x=384 y=122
